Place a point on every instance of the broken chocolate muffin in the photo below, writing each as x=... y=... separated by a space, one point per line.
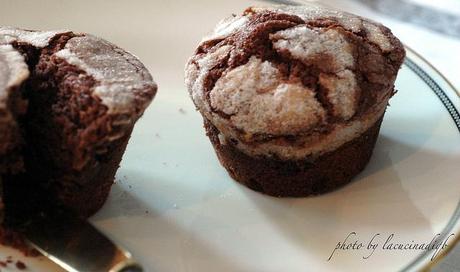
x=292 y=97
x=68 y=104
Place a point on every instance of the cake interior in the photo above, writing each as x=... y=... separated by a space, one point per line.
x=61 y=132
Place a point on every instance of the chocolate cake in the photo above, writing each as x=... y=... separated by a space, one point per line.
x=68 y=104
x=292 y=97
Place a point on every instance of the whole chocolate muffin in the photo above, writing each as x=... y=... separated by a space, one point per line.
x=292 y=97
x=68 y=104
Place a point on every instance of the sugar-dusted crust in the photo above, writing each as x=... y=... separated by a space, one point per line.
x=291 y=82
x=122 y=82
x=38 y=39
x=297 y=178
x=126 y=89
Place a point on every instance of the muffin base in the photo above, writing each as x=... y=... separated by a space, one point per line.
x=94 y=182
x=296 y=178
x=82 y=193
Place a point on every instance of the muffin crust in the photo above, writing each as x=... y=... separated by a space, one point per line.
x=84 y=96
x=296 y=178
x=289 y=82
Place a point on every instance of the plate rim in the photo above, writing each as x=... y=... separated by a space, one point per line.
x=420 y=263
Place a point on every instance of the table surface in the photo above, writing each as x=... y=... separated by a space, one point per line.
x=171 y=29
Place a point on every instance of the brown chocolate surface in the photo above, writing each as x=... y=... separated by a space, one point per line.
x=296 y=178
x=77 y=123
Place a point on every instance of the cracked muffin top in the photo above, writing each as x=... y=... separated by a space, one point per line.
x=121 y=82
x=277 y=80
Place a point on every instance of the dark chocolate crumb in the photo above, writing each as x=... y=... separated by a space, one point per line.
x=16 y=240
x=3 y=264
x=20 y=265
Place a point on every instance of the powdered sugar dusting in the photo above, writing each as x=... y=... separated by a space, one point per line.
x=304 y=44
x=120 y=76
x=36 y=38
x=237 y=88
x=13 y=72
x=317 y=144
x=310 y=12
x=195 y=74
x=13 y=69
x=375 y=35
x=342 y=92
x=351 y=22
x=261 y=102
x=254 y=103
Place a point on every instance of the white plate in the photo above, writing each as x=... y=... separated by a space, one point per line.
x=176 y=209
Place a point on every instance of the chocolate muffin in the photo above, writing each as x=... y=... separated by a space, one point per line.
x=68 y=104
x=292 y=97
